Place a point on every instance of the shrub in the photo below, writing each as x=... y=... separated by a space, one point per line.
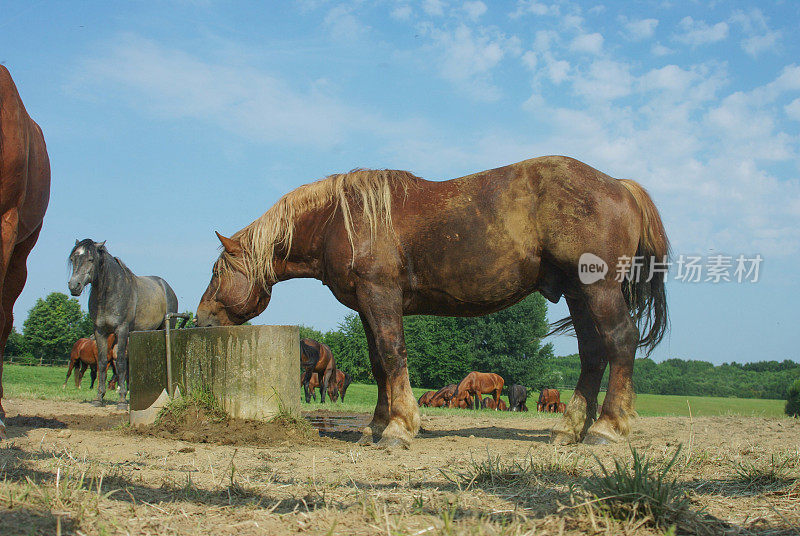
x=793 y=400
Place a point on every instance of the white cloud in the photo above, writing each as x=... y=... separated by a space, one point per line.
x=433 y=7
x=760 y=38
x=533 y=7
x=588 y=43
x=660 y=50
x=401 y=12
x=467 y=57
x=668 y=78
x=700 y=33
x=249 y=103
x=343 y=25
x=530 y=60
x=639 y=30
x=474 y=9
x=604 y=80
x=793 y=109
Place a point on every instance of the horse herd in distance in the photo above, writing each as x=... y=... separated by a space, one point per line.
x=318 y=370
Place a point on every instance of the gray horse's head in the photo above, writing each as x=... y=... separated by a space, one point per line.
x=84 y=258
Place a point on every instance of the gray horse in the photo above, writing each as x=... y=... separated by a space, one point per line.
x=120 y=302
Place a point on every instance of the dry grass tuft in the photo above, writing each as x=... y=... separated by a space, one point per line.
x=639 y=491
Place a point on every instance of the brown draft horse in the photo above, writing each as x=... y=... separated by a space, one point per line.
x=317 y=358
x=84 y=351
x=443 y=396
x=389 y=244
x=425 y=399
x=476 y=384
x=548 y=400
x=24 y=195
x=488 y=403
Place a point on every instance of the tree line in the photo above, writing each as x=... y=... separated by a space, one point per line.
x=762 y=379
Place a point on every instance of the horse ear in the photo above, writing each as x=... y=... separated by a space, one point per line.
x=77 y=242
x=100 y=245
x=232 y=247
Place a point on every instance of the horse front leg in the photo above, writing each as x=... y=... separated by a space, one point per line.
x=380 y=417
x=102 y=366
x=384 y=313
x=121 y=366
x=323 y=386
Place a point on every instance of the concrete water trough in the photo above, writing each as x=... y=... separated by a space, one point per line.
x=250 y=370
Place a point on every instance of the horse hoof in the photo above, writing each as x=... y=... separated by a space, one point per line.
x=389 y=443
x=98 y=402
x=596 y=439
x=366 y=436
x=561 y=438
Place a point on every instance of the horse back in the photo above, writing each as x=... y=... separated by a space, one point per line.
x=154 y=299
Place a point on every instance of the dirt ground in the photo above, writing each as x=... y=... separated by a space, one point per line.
x=77 y=469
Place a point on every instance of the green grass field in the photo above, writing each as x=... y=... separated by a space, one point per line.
x=45 y=382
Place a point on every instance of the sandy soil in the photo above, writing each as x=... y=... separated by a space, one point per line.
x=284 y=480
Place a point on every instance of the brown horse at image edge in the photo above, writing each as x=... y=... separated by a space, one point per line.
x=388 y=244
x=24 y=196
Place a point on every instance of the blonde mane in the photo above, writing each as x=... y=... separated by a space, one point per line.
x=371 y=189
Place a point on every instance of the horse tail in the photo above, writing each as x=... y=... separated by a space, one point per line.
x=647 y=299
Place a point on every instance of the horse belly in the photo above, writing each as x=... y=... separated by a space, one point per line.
x=151 y=304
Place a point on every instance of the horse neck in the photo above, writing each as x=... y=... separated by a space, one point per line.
x=305 y=256
x=109 y=276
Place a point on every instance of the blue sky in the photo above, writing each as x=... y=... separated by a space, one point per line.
x=167 y=120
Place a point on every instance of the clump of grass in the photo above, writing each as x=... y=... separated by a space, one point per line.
x=491 y=473
x=642 y=490
x=197 y=400
x=755 y=474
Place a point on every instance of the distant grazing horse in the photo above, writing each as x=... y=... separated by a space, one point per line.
x=517 y=396
x=317 y=358
x=313 y=385
x=548 y=400
x=479 y=383
x=120 y=302
x=425 y=399
x=561 y=407
x=84 y=354
x=343 y=381
x=443 y=396
x=389 y=244
x=24 y=195
x=488 y=403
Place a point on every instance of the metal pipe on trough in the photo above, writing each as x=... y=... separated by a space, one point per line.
x=167 y=318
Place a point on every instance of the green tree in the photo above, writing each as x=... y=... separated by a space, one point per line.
x=793 y=400
x=52 y=327
x=15 y=346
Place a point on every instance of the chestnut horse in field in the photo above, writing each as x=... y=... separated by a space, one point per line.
x=387 y=244
x=476 y=384
x=425 y=399
x=316 y=358
x=24 y=195
x=488 y=403
x=548 y=400
x=443 y=396
x=84 y=355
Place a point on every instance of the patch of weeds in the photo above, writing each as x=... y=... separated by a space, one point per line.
x=197 y=401
x=642 y=491
x=756 y=474
x=491 y=473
